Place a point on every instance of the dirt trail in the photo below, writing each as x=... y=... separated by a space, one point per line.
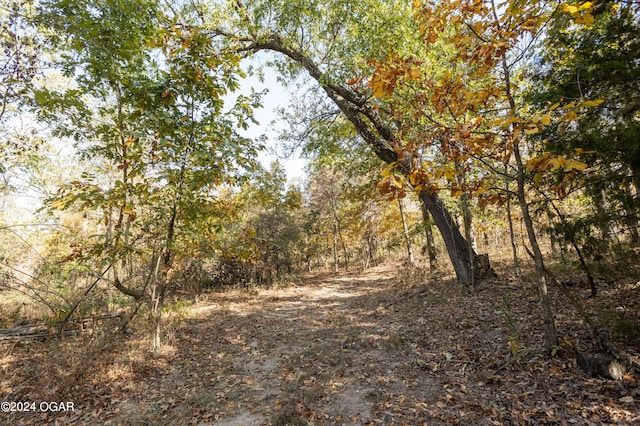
x=317 y=352
x=363 y=348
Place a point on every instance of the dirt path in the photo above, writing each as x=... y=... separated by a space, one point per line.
x=319 y=352
x=355 y=349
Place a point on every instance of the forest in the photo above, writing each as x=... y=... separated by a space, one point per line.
x=462 y=248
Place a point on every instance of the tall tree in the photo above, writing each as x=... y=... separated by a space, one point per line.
x=332 y=41
x=20 y=62
x=596 y=56
x=146 y=107
x=464 y=88
x=468 y=88
x=274 y=215
x=19 y=52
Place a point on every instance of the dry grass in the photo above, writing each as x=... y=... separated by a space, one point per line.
x=381 y=346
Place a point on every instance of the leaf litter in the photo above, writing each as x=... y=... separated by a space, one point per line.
x=361 y=348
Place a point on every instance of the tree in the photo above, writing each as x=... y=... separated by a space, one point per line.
x=331 y=41
x=274 y=214
x=592 y=53
x=20 y=50
x=341 y=182
x=146 y=107
x=474 y=110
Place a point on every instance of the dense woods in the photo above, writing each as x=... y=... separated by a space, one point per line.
x=471 y=150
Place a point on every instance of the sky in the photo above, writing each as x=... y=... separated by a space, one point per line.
x=277 y=97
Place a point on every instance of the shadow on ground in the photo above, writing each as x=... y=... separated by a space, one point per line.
x=362 y=349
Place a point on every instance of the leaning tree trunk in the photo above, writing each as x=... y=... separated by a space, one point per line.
x=459 y=250
x=376 y=132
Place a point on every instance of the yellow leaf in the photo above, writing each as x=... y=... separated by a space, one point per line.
x=554 y=106
x=537 y=178
x=415 y=73
x=532 y=129
x=455 y=193
x=534 y=162
x=583 y=151
x=586 y=5
x=554 y=163
x=378 y=90
x=58 y=204
x=561 y=160
x=130 y=141
x=480 y=190
x=586 y=19
x=593 y=103
x=546 y=119
x=575 y=165
x=449 y=174
x=509 y=121
x=414 y=179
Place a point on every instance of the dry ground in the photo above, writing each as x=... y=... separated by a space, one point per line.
x=362 y=348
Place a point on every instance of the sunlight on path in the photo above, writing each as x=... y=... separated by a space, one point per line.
x=314 y=351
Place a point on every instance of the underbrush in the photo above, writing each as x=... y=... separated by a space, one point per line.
x=428 y=322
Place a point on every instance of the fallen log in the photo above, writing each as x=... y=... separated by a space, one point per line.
x=42 y=331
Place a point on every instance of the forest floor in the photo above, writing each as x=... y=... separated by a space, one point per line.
x=362 y=348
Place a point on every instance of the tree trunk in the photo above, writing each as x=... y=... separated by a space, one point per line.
x=458 y=248
x=430 y=243
x=468 y=232
x=380 y=137
x=407 y=237
x=550 y=333
x=365 y=256
x=335 y=248
x=338 y=230
x=572 y=239
x=156 y=302
x=512 y=236
x=551 y=337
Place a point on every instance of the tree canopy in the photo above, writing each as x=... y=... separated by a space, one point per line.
x=514 y=121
